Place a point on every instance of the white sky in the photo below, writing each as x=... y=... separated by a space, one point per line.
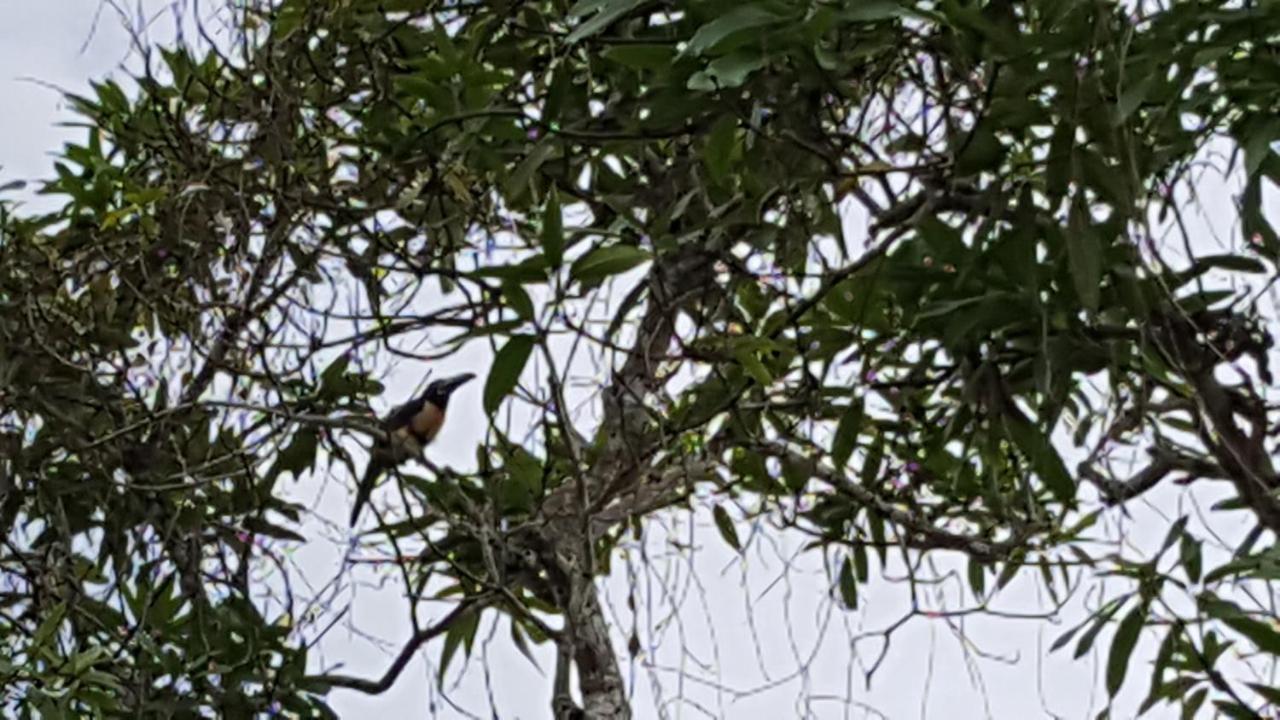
x=927 y=673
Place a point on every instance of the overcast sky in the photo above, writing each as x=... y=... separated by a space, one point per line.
x=797 y=656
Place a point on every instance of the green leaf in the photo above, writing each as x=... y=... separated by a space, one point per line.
x=721 y=143
x=1058 y=164
x=848 y=585
x=846 y=438
x=730 y=71
x=553 y=230
x=873 y=10
x=300 y=455
x=260 y=526
x=725 y=525
x=756 y=369
x=1084 y=256
x=609 y=12
x=977 y=578
x=517 y=299
x=743 y=17
x=1258 y=632
x=1132 y=96
x=982 y=151
x=1122 y=648
x=508 y=364
x=518 y=183
x=1230 y=709
x=641 y=57
x=1163 y=655
x=49 y=626
x=1268 y=693
x=1189 y=551
x=1100 y=619
x=603 y=262
x=1044 y=458
x=1193 y=703
x=462 y=631
x=1256 y=144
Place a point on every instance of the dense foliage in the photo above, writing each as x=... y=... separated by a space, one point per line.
x=906 y=277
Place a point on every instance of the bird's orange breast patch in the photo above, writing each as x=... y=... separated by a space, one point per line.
x=427 y=422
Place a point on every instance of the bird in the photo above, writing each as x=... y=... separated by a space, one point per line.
x=408 y=429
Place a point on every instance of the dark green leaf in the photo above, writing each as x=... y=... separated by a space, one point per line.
x=603 y=262
x=724 y=524
x=553 y=230
x=848 y=585
x=721 y=143
x=743 y=17
x=1084 y=256
x=1044 y=458
x=641 y=57
x=1122 y=648
x=508 y=364
x=608 y=12
x=517 y=299
x=846 y=438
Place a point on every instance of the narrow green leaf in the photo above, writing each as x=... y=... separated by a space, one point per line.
x=725 y=525
x=1193 y=703
x=718 y=155
x=609 y=12
x=1084 y=256
x=1122 y=648
x=1131 y=97
x=553 y=230
x=1058 y=163
x=756 y=369
x=977 y=578
x=848 y=586
x=846 y=438
x=518 y=299
x=1100 y=619
x=1189 y=552
x=603 y=262
x=1229 y=709
x=1258 y=632
x=1044 y=458
x=45 y=631
x=1268 y=693
x=508 y=364
x=1163 y=656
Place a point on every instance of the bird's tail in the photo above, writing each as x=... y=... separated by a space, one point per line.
x=365 y=488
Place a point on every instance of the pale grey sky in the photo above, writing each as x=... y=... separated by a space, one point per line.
x=977 y=667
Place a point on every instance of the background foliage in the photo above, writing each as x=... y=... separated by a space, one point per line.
x=910 y=278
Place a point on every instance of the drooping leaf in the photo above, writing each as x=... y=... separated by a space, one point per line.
x=848 y=585
x=1122 y=648
x=724 y=524
x=553 y=230
x=846 y=438
x=508 y=364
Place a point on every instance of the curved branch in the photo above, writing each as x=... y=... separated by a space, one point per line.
x=377 y=687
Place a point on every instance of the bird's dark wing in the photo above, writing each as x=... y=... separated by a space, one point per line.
x=402 y=415
x=382 y=456
x=365 y=488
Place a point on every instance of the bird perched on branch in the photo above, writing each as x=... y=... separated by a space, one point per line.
x=408 y=429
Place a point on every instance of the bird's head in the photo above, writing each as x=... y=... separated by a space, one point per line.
x=438 y=392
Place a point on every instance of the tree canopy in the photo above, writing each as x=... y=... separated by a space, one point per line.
x=911 y=278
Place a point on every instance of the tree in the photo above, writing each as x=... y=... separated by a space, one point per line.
x=678 y=187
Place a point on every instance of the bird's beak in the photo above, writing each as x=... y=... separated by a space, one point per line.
x=455 y=382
